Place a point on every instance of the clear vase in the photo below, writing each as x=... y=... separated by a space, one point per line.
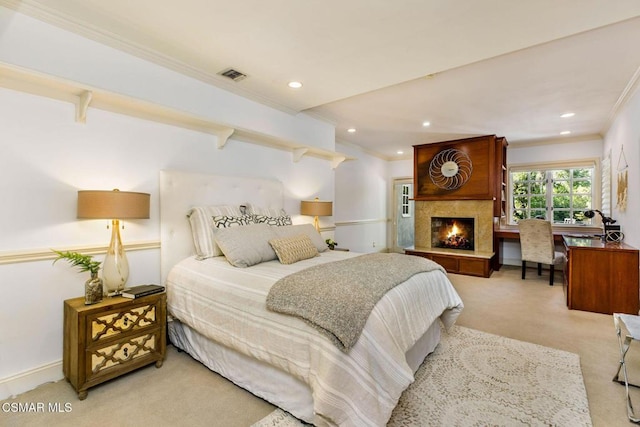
x=93 y=290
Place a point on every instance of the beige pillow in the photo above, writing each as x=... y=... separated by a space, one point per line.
x=294 y=249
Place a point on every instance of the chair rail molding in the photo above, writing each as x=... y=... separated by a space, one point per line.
x=13 y=257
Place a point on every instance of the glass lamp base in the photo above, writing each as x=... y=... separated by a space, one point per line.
x=115 y=268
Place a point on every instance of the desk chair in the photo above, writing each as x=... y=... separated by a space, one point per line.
x=536 y=245
x=632 y=324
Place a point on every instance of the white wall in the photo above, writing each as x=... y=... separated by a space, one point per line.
x=624 y=135
x=46 y=157
x=360 y=207
x=556 y=151
x=34 y=45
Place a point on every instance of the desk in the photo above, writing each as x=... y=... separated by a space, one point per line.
x=601 y=277
x=515 y=235
x=500 y=234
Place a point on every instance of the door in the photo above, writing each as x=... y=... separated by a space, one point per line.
x=403 y=214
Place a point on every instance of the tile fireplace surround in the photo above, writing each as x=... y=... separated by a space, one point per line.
x=480 y=210
x=476 y=262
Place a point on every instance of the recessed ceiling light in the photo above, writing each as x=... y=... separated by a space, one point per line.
x=295 y=85
x=426 y=124
x=565 y=132
x=400 y=152
x=351 y=130
x=565 y=115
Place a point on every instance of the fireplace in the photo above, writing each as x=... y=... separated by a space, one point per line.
x=476 y=262
x=452 y=233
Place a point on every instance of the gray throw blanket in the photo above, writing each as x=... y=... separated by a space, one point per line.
x=337 y=298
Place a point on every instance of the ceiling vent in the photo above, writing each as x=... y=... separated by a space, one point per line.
x=232 y=74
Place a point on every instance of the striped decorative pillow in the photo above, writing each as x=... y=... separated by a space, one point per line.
x=258 y=210
x=293 y=249
x=202 y=228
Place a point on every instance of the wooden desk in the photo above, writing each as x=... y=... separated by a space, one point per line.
x=601 y=277
x=514 y=234
x=500 y=234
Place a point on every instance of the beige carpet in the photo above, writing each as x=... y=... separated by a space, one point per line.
x=185 y=393
x=475 y=378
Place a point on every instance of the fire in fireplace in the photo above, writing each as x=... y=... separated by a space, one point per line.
x=452 y=233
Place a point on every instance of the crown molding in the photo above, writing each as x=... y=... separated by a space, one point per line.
x=628 y=92
x=555 y=141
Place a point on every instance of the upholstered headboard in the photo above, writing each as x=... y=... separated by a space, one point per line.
x=180 y=191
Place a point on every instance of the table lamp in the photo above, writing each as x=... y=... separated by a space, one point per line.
x=316 y=208
x=114 y=205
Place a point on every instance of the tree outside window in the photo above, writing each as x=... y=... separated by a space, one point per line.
x=557 y=195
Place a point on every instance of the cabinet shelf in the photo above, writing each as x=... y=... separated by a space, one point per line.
x=85 y=96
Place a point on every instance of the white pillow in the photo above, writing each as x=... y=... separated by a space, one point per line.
x=248 y=245
x=202 y=227
x=257 y=210
x=307 y=229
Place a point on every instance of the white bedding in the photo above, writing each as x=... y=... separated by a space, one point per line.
x=227 y=304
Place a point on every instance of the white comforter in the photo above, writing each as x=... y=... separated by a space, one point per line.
x=228 y=305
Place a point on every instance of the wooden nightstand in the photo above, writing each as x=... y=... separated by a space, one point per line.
x=113 y=337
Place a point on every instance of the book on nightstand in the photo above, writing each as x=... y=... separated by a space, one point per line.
x=142 y=291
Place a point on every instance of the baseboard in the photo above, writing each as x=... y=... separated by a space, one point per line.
x=25 y=381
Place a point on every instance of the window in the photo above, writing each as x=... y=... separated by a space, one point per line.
x=405 y=200
x=558 y=193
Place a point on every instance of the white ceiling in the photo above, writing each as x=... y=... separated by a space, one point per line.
x=469 y=67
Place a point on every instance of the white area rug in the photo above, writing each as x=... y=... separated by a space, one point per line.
x=479 y=379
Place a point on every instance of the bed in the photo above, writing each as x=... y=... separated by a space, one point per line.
x=219 y=316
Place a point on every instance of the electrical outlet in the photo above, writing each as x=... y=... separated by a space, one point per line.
x=374 y=245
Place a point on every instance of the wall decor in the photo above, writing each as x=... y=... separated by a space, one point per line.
x=621 y=203
x=450 y=169
x=462 y=169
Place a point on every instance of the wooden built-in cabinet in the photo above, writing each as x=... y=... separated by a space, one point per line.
x=601 y=277
x=115 y=336
x=500 y=205
x=486 y=155
x=487 y=181
x=457 y=263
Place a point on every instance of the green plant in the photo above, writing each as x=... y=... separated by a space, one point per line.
x=331 y=243
x=83 y=262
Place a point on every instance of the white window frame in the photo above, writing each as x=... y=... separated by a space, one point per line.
x=406 y=195
x=596 y=183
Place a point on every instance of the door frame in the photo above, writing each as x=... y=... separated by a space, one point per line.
x=394 y=206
